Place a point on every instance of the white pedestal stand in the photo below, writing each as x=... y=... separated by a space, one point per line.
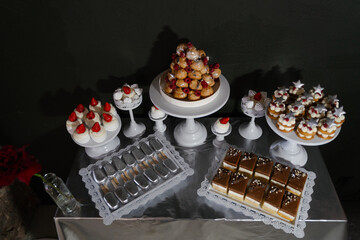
x=98 y=150
x=133 y=129
x=291 y=149
x=189 y=133
x=220 y=137
x=159 y=123
x=250 y=130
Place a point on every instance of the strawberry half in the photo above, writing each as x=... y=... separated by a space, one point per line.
x=126 y=89
x=224 y=120
x=107 y=117
x=107 y=107
x=93 y=102
x=96 y=127
x=80 y=108
x=90 y=115
x=72 y=117
x=80 y=129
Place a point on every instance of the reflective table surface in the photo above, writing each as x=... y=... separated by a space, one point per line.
x=181 y=214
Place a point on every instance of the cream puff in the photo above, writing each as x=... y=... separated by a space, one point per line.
x=195 y=75
x=180 y=74
x=179 y=93
x=194 y=95
x=181 y=83
x=195 y=85
x=197 y=65
x=208 y=79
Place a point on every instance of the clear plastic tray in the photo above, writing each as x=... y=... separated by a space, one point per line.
x=144 y=195
x=297 y=227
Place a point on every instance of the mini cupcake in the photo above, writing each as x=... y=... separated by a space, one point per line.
x=98 y=133
x=297 y=108
x=81 y=111
x=297 y=89
x=95 y=106
x=338 y=114
x=326 y=128
x=317 y=111
x=81 y=134
x=276 y=108
x=306 y=99
x=91 y=118
x=307 y=129
x=110 y=122
x=317 y=93
x=281 y=92
x=286 y=122
x=72 y=122
x=331 y=102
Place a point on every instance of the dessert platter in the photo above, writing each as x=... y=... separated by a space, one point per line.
x=131 y=177
x=302 y=118
x=191 y=88
x=128 y=98
x=261 y=188
x=253 y=105
x=95 y=128
x=158 y=116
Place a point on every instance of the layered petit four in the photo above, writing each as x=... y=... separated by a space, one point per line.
x=81 y=111
x=72 y=122
x=317 y=111
x=247 y=163
x=276 y=107
x=231 y=159
x=306 y=99
x=289 y=206
x=190 y=76
x=297 y=89
x=297 y=109
x=317 y=93
x=263 y=168
x=280 y=174
x=286 y=122
x=273 y=199
x=109 y=109
x=222 y=125
x=127 y=95
x=296 y=182
x=338 y=114
x=255 y=192
x=255 y=100
x=326 y=128
x=237 y=186
x=98 y=133
x=307 y=129
x=110 y=122
x=156 y=113
x=221 y=180
x=95 y=105
x=281 y=92
x=330 y=102
x=81 y=134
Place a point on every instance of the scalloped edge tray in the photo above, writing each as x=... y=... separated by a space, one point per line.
x=95 y=193
x=296 y=228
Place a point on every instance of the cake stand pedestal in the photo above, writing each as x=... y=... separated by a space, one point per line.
x=159 y=123
x=133 y=129
x=189 y=133
x=250 y=130
x=220 y=137
x=291 y=147
x=99 y=150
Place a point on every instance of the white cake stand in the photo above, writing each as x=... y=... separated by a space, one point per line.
x=133 y=129
x=189 y=133
x=98 y=150
x=250 y=130
x=159 y=123
x=291 y=149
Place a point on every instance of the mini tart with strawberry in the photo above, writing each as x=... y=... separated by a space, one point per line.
x=326 y=128
x=338 y=114
x=307 y=129
x=297 y=108
x=318 y=111
x=72 y=122
x=81 y=134
x=95 y=106
x=91 y=118
x=275 y=108
x=222 y=125
x=286 y=122
x=98 y=133
x=81 y=111
x=110 y=122
x=281 y=92
x=317 y=93
x=109 y=109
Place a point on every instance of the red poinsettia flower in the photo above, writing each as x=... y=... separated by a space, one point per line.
x=16 y=163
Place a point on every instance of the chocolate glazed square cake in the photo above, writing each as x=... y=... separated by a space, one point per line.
x=220 y=181
x=289 y=206
x=247 y=163
x=296 y=182
x=273 y=199
x=237 y=186
x=263 y=168
x=280 y=175
x=255 y=192
x=231 y=159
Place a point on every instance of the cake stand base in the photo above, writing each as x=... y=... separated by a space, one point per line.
x=190 y=133
x=101 y=151
x=134 y=129
x=250 y=130
x=289 y=151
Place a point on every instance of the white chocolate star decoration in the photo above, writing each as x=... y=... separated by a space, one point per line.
x=318 y=89
x=339 y=111
x=298 y=84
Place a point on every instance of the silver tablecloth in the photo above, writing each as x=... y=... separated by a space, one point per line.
x=181 y=214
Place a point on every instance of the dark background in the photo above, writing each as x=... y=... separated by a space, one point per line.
x=56 y=54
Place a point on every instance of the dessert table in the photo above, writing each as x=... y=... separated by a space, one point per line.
x=181 y=214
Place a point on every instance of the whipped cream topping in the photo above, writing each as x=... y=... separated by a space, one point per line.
x=112 y=125
x=99 y=136
x=156 y=113
x=81 y=137
x=220 y=127
x=287 y=119
x=71 y=126
x=306 y=127
x=277 y=105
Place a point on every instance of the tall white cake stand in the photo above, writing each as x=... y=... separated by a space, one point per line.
x=250 y=130
x=290 y=148
x=189 y=133
x=133 y=129
x=110 y=144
